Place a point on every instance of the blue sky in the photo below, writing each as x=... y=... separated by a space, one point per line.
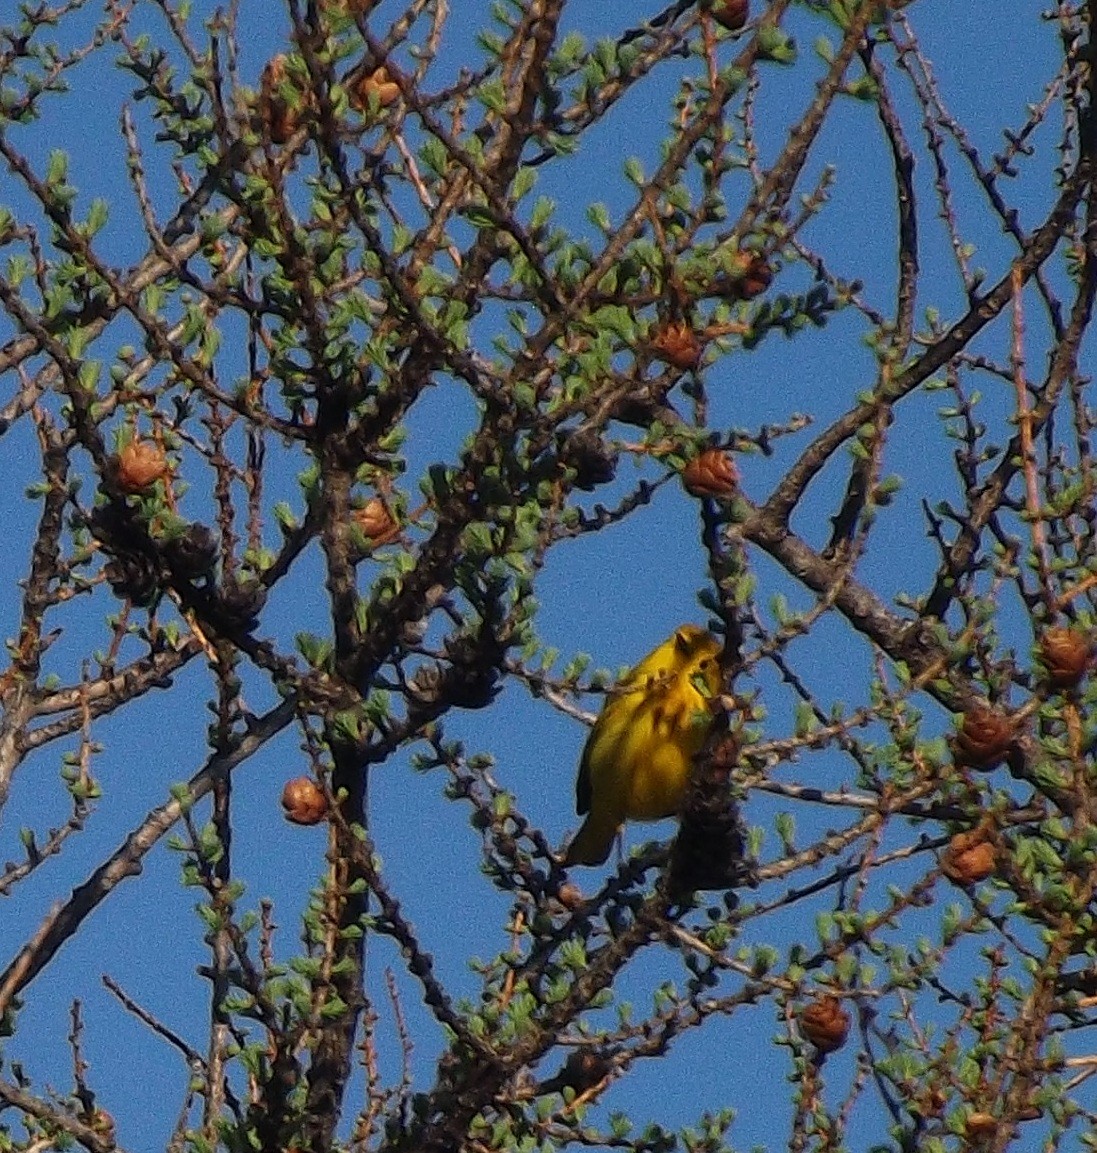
x=613 y=596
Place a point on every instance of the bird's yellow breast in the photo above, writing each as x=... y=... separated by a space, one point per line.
x=637 y=760
x=643 y=744
x=665 y=733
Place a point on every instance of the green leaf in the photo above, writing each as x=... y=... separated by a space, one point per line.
x=481 y=217
x=598 y=215
x=98 y=215
x=524 y=180
x=58 y=169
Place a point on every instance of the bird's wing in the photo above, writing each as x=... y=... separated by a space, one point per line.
x=583 y=787
x=602 y=747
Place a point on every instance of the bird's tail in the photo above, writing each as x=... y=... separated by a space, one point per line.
x=591 y=845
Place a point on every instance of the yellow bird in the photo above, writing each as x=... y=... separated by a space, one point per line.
x=636 y=762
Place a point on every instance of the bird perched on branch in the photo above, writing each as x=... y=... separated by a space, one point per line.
x=636 y=763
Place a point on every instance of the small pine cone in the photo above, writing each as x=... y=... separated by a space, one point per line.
x=139 y=465
x=825 y=1024
x=303 y=802
x=473 y=688
x=376 y=523
x=427 y=684
x=280 y=118
x=677 y=344
x=241 y=602
x=473 y=680
x=594 y=461
x=756 y=276
x=570 y=896
x=133 y=577
x=749 y=276
x=971 y=857
x=378 y=83
x=1066 y=654
x=193 y=554
x=584 y=1068
x=985 y=737
x=732 y=14
x=713 y=473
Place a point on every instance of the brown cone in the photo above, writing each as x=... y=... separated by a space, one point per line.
x=825 y=1024
x=985 y=737
x=139 y=465
x=677 y=344
x=281 y=118
x=303 y=802
x=713 y=473
x=378 y=83
x=378 y=525
x=970 y=857
x=732 y=14
x=1066 y=654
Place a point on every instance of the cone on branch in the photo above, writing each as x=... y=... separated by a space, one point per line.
x=985 y=738
x=378 y=84
x=675 y=343
x=743 y=276
x=756 y=276
x=592 y=458
x=281 y=115
x=582 y=1071
x=825 y=1023
x=376 y=522
x=191 y=555
x=1066 y=652
x=303 y=802
x=570 y=896
x=980 y=1126
x=139 y=465
x=712 y=474
x=732 y=14
x=970 y=857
